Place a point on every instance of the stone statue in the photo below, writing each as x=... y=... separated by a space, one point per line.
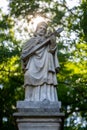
x=40 y=66
x=41 y=109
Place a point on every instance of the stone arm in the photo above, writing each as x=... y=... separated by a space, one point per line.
x=28 y=46
x=53 y=51
x=52 y=45
x=31 y=50
x=24 y=64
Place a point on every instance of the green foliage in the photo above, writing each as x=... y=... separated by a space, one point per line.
x=23 y=7
x=41 y=7
x=11 y=77
x=72 y=78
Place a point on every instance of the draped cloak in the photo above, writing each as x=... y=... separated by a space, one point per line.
x=40 y=68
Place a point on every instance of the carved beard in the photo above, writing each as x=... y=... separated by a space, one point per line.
x=41 y=33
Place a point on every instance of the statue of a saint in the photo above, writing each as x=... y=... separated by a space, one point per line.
x=40 y=66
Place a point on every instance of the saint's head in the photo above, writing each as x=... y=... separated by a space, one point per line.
x=41 y=28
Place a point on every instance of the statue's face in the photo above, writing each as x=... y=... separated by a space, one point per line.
x=41 y=30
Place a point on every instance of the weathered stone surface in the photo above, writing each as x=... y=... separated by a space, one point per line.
x=38 y=124
x=41 y=109
x=37 y=120
x=40 y=64
x=38 y=106
x=39 y=116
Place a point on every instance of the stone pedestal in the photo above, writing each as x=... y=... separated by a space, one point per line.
x=39 y=116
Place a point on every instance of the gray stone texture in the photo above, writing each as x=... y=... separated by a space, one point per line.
x=39 y=123
x=39 y=116
x=40 y=65
x=41 y=109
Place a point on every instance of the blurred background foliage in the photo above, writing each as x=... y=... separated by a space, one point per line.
x=72 y=54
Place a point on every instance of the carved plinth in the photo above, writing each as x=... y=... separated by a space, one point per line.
x=39 y=116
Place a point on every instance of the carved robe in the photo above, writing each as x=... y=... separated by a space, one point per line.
x=40 y=70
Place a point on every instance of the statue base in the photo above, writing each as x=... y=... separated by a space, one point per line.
x=39 y=116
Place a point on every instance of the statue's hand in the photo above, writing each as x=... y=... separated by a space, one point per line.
x=57 y=69
x=35 y=43
x=53 y=38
